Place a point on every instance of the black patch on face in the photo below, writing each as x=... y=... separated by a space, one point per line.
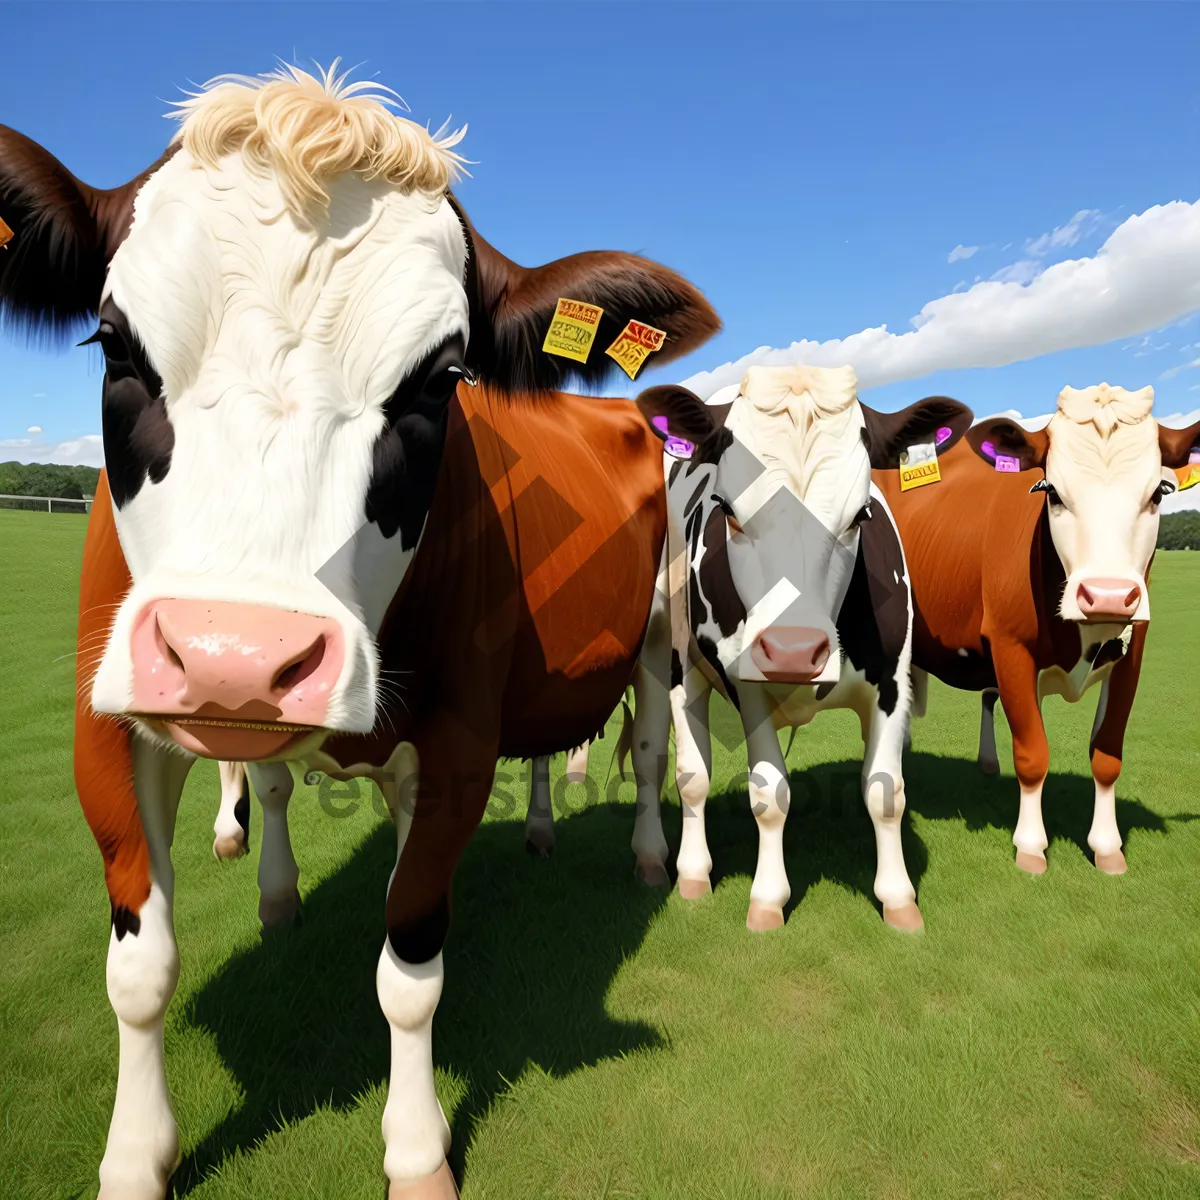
x=241 y=811
x=138 y=435
x=823 y=690
x=676 y=668
x=694 y=498
x=874 y=619
x=1109 y=652
x=125 y=921
x=419 y=940
x=709 y=649
x=673 y=473
x=408 y=453
x=716 y=578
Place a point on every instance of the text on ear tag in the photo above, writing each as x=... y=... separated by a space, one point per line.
x=676 y=447
x=573 y=329
x=635 y=343
x=6 y=234
x=919 y=466
x=1006 y=462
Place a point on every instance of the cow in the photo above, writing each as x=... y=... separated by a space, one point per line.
x=348 y=518
x=786 y=592
x=1029 y=563
x=231 y=829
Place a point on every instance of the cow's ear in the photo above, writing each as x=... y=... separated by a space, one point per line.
x=512 y=306
x=1176 y=445
x=936 y=419
x=999 y=436
x=64 y=234
x=689 y=427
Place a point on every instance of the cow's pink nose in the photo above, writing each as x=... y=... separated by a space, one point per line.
x=790 y=653
x=247 y=674
x=1108 y=599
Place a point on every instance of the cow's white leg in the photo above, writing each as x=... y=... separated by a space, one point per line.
x=651 y=735
x=989 y=763
x=416 y=1135
x=883 y=792
x=693 y=777
x=539 y=820
x=770 y=798
x=920 y=700
x=232 y=826
x=143 y=970
x=278 y=874
x=577 y=764
x=1104 y=837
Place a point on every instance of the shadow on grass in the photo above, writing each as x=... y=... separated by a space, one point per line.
x=534 y=945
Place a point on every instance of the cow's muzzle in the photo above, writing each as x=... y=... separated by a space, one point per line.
x=1108 y=599
x=790 y=653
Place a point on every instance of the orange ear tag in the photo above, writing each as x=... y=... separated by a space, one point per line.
x=635 y=343
x=919 y=466
x=573 y=329
x=6 y=234
x=1188 y=476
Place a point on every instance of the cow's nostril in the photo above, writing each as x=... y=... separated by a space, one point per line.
x=1135 y=594
x=300 y=668
x=165 y=648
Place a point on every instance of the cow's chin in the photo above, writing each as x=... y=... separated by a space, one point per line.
x=235 y=741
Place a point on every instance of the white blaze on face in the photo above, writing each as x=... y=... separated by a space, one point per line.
x=1105 y=467
x=278 y=344
x=803 y=428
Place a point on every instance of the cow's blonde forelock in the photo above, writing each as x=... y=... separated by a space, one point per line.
x=308 y=129
x=1105 y=407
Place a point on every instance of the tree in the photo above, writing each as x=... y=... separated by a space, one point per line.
x=1179 y=531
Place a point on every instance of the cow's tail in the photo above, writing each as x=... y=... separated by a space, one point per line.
x=624 y=746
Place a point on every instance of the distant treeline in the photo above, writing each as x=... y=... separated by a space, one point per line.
x=47 y=479
x=1179 y=531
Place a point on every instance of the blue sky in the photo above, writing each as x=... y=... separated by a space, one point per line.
x=811 y=168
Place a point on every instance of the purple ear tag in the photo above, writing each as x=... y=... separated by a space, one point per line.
x=1194 y=456
x=989 y=448
x=943 y=434
x=660 y=423
x=678 y=447
x=1006 y=462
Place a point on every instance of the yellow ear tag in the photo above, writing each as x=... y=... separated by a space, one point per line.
x=572 y=329
x=919 y=466
x=6 y=234
x=1188 y=476
x=635 y=343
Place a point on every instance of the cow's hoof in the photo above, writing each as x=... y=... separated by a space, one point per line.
x=279 y=911
x=693 y=889
x=539 y=842
x=907 y=918
x=762 y=917
x=230 y=845
x=989 y=766
x=438 y=1186
x=1112 y=864
x=650 y=872
x=1035 y=864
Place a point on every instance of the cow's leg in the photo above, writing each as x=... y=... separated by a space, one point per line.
x=693 y=777
x=989 y=764
x=434 y=824
x=1016 y=673
x=539 y=820
x=770 y=797
x=651 y=735
x=278 y=874
x=1108 y=741
x=232 y=826
x=143 y=970
x=920 y=700
x=883 y=791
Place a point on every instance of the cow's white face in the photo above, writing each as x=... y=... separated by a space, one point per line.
x=284 y=352
x=1104 y=482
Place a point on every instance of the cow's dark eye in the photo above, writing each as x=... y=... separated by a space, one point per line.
x=1044 y=485
x=1163 y=490
x=439 y=386
x=112 y=342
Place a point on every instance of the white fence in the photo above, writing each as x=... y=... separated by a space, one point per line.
x=50 y=504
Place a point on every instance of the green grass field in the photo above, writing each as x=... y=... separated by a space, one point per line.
x=595 y=1039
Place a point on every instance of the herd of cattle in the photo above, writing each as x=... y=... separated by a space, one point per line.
x=351 y=521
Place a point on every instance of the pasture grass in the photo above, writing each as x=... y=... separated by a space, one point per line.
x=596 y=1039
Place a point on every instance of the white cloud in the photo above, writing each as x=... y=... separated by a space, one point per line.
x=34 y=429
x=85 y=451
x=1171 y=372
x=1065 y=236
x=1026 y=270
x=39 y=395
x=961 y=251
x=1145 y=276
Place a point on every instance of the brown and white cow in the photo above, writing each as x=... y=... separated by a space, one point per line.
x=1029 y=564
x=317 y=539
